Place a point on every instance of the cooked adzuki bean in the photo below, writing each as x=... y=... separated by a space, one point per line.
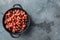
x=15 y=20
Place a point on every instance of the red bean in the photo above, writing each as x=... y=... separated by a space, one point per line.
x=16 y=19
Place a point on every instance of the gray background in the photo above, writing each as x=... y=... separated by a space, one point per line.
x=45 y=19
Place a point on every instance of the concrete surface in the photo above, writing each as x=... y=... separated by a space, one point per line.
x=45 y=19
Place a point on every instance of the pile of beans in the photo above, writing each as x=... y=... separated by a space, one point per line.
x=15 y=20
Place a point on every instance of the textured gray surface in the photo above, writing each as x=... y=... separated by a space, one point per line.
x=45 y=19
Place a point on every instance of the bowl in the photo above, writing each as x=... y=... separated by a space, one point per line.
x=17 y=34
